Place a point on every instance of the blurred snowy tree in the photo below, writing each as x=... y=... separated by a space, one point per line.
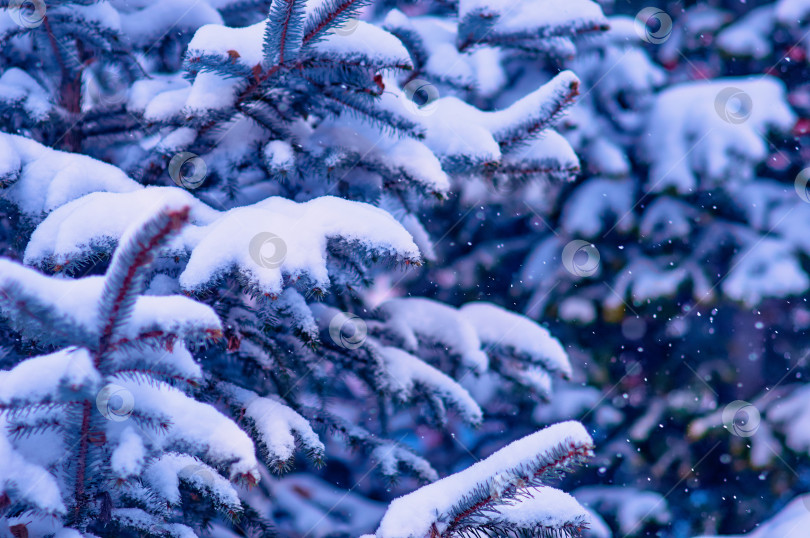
x=676 y=263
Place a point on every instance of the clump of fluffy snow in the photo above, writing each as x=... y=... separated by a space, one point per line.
x=44 y=179
x=712 y=130
x=389 y=457
x=457 y=131
x=278 y=425
x=218 y=242
x=42 y=378
x=78 y=300
x=543 y=506
x=129 y=455
x=18 y=87
x=596 y=202
x=751 y=35
x=500 y=328
x=405 y=372
x=208 y=432
x=768 y=268
x=366 y=41
x=529 y=15
x=166 y=472
x=19 y=474
x=413 y=319
x=298 y=235
x=408 y=155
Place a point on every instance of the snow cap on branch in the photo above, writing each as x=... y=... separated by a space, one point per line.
x=443 y=505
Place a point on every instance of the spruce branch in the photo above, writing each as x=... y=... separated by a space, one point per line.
x=35 y=318
x=549 y=465
x=557 y=96
x=79 y=497
x=284 y=33
x=463 y=504
x=328 y=15
x=126 y=276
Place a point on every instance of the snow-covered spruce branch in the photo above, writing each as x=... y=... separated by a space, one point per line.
x=126 y=277
x=525 y=24
x=343 y=79
x=108 y=408
x=501 y=495
x=330 y=14
x=538 y=111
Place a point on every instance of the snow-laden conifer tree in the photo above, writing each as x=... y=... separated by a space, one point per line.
x=152 y=436
x=249 y=190
x=100 y=432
